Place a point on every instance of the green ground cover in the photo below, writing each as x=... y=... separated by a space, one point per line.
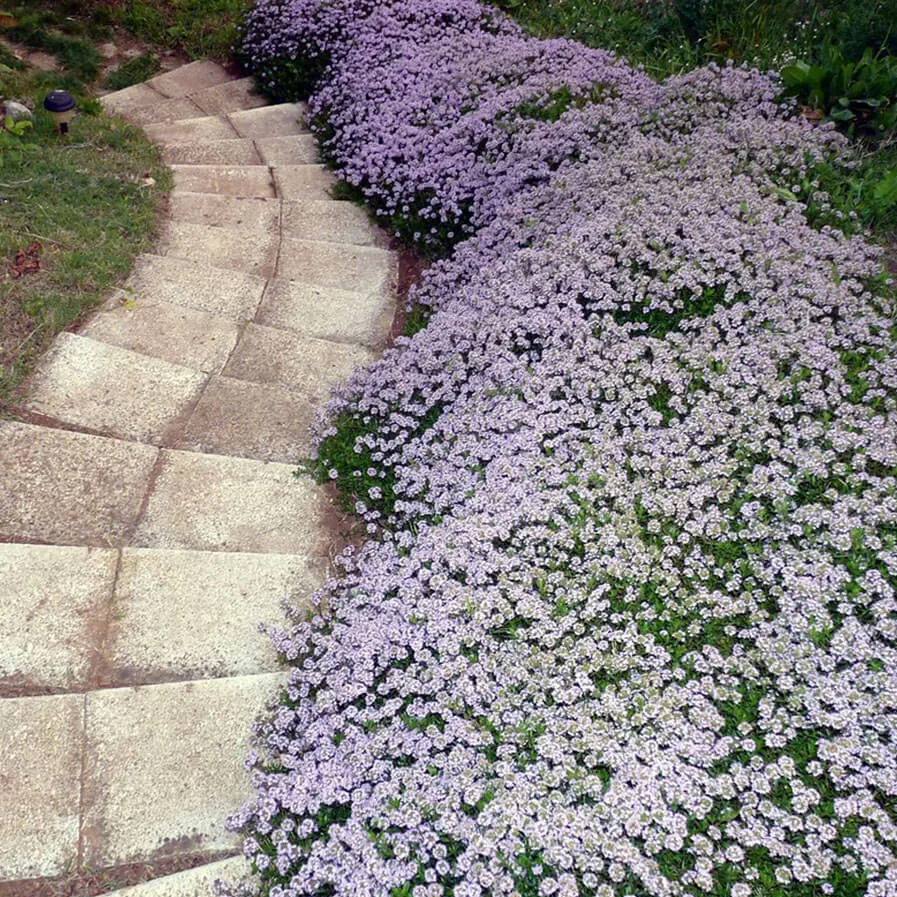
x=74 y=212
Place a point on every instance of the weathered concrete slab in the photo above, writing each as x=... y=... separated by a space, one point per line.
x=298 y=149
x=226 y=211
x=196 y=882
x=51 y=600
x=327 y=313
x=183 y=336
x=310 y=366
x=250 y=420
x=211 y=152
x=234 y=180
x=123 y=101
x=303 y=182
x=282 y=120
x=224 y=597
x=208 y=127
x=229 y=96
x=216 y=503
x=189 y=79
x=164 y=112
x=104 y=388
x=360 y=269
x=227 y=294
x=69 y=488
x=40 y=766
x=235 y=248
x=329 y=221
x=164 y=766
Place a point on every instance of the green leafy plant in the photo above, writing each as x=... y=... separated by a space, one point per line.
x=861 y=95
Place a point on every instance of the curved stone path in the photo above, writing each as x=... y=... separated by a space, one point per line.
x=149 y=513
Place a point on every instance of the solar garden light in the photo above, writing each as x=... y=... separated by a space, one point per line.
x=61 y=105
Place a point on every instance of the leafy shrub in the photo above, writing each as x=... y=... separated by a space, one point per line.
x=861 y=95
x=629 y=626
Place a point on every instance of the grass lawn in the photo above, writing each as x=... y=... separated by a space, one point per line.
x=75 y=212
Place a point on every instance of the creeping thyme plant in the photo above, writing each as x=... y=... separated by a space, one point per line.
x=626 y=623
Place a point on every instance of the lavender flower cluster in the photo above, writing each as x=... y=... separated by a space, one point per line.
x=629 y=624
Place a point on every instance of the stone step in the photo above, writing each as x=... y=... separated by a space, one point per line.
x=40 y=788
x=163 y=766
x=297 y=149
x=281 y=120
x=303 y=182
x=173 y=333
x=328 y=221
x=228 y=96
x=257 y=212
x=231 y=295
x=216 y=503
x=237 y=151
x=123 y=101
x=117 y=392
x=69 y=488
x=310 y=366
x=196 y=882
x=53 y=604
x=165 y=112
x=250 y=420
x=234 y=180
x=206 y=127
x=189 y=79
x=237 y=248
x=195 y=614
x=327 y=313
x=361 y=269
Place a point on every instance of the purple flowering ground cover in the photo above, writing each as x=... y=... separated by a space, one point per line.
x=626 y=624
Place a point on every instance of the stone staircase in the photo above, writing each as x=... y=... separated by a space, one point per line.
x=150 y=517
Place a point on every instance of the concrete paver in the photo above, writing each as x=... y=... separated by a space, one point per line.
x=226 y=211
x=52 y=599
x=189 y=79
x=224 y=596
x=229 y=96
x=303 y=182
x=217 y=503
x=69 y=488
x=212 y=152
x=298 y=149
x=231 y=295
x=310 y=366
x=39 y=788
x=237 y=248
x=164 y=766
x=344 y=267
x=250 y=420
x=326 y=312
x=183 y=336
x=234 y=180
x=207 y=127
x=123 y=101
x=328 y=221
x=283 y=120
x=165 y=112
x=108 y=389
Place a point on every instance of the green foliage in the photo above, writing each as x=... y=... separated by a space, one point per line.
x=133 y=71
x=861 y=96
x=199 y=28
x=82 y=203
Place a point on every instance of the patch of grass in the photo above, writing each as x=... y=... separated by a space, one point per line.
x=133 y=71
x=78 y=208
x=206 y=28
